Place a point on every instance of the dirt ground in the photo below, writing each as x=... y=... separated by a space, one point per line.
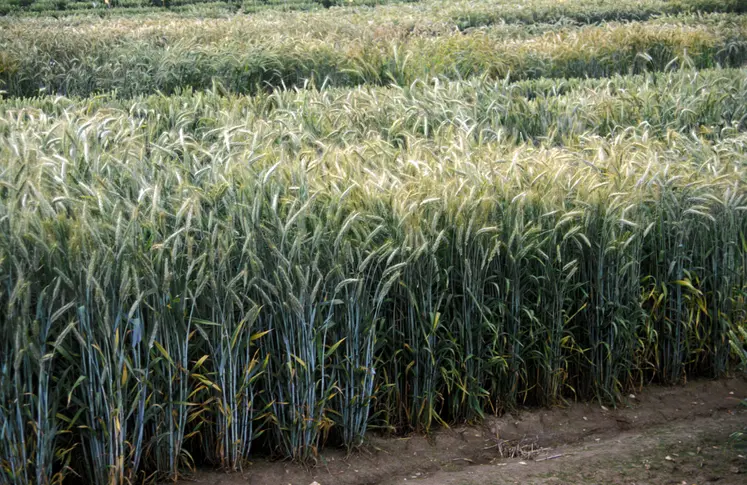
x=664 y=435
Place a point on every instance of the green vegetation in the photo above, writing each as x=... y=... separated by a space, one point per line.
x=248 y=54
x=209 y=8
x=551 y=11
x=403 y=225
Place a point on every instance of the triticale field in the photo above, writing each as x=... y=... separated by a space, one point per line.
x=259 y=228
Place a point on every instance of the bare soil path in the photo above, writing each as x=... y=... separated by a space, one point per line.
x=665 y=435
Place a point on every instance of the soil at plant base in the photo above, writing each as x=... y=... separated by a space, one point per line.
x=664 y=435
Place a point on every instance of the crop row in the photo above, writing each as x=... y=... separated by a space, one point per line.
x=211 y=8
x=208 y=276
x=481 y=13
x=711 y=104
x=84 y=58
x=465 y=14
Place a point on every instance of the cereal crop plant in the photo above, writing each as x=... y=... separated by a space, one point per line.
x=267 y=234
